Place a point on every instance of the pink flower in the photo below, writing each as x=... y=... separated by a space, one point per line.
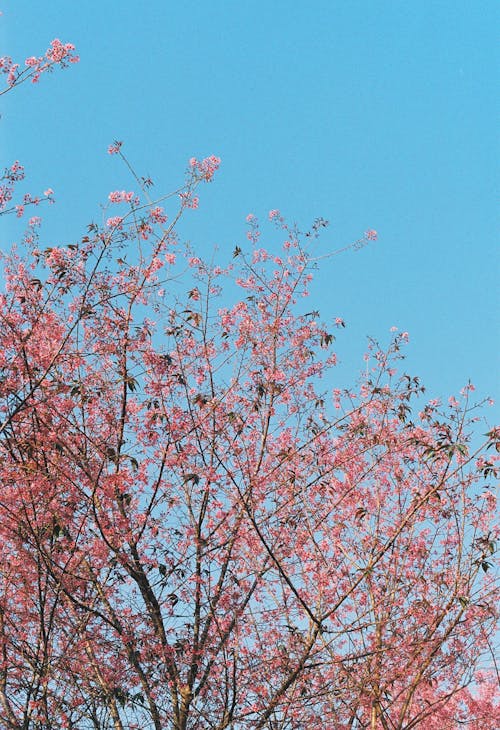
x=48 y=192
x=115 y=222
x=188 y=200
x=33 y=61
x=371 y=235
x=114 y=148
x=17 y=170
x=274 y=214
x=157 y=215
x=120 y=196
x=12 y=75
x=206 y=168
x=58 y=51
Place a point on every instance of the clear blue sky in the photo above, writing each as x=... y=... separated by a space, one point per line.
x=372 y=114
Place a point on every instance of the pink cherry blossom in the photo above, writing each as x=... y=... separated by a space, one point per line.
x=206 y=168
x=114 y=222
x=120 y=196
x=114 y=148
x=200 y=526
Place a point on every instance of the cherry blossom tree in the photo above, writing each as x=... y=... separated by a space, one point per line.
x=197 y=528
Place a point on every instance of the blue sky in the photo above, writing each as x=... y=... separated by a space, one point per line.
x=371 y=114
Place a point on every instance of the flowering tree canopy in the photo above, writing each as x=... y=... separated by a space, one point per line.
x=197 y=529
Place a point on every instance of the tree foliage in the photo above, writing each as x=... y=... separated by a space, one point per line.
x=196 y=530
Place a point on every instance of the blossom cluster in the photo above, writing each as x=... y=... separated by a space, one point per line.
x=157 y=215
x=188 y=200
x=58 y=53
x=205 y=169
x=115 y=222
x=121 y=196
x=114 y=148
x=12 y=175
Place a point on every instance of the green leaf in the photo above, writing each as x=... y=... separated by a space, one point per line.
x=131 y=383
x=326 y=339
